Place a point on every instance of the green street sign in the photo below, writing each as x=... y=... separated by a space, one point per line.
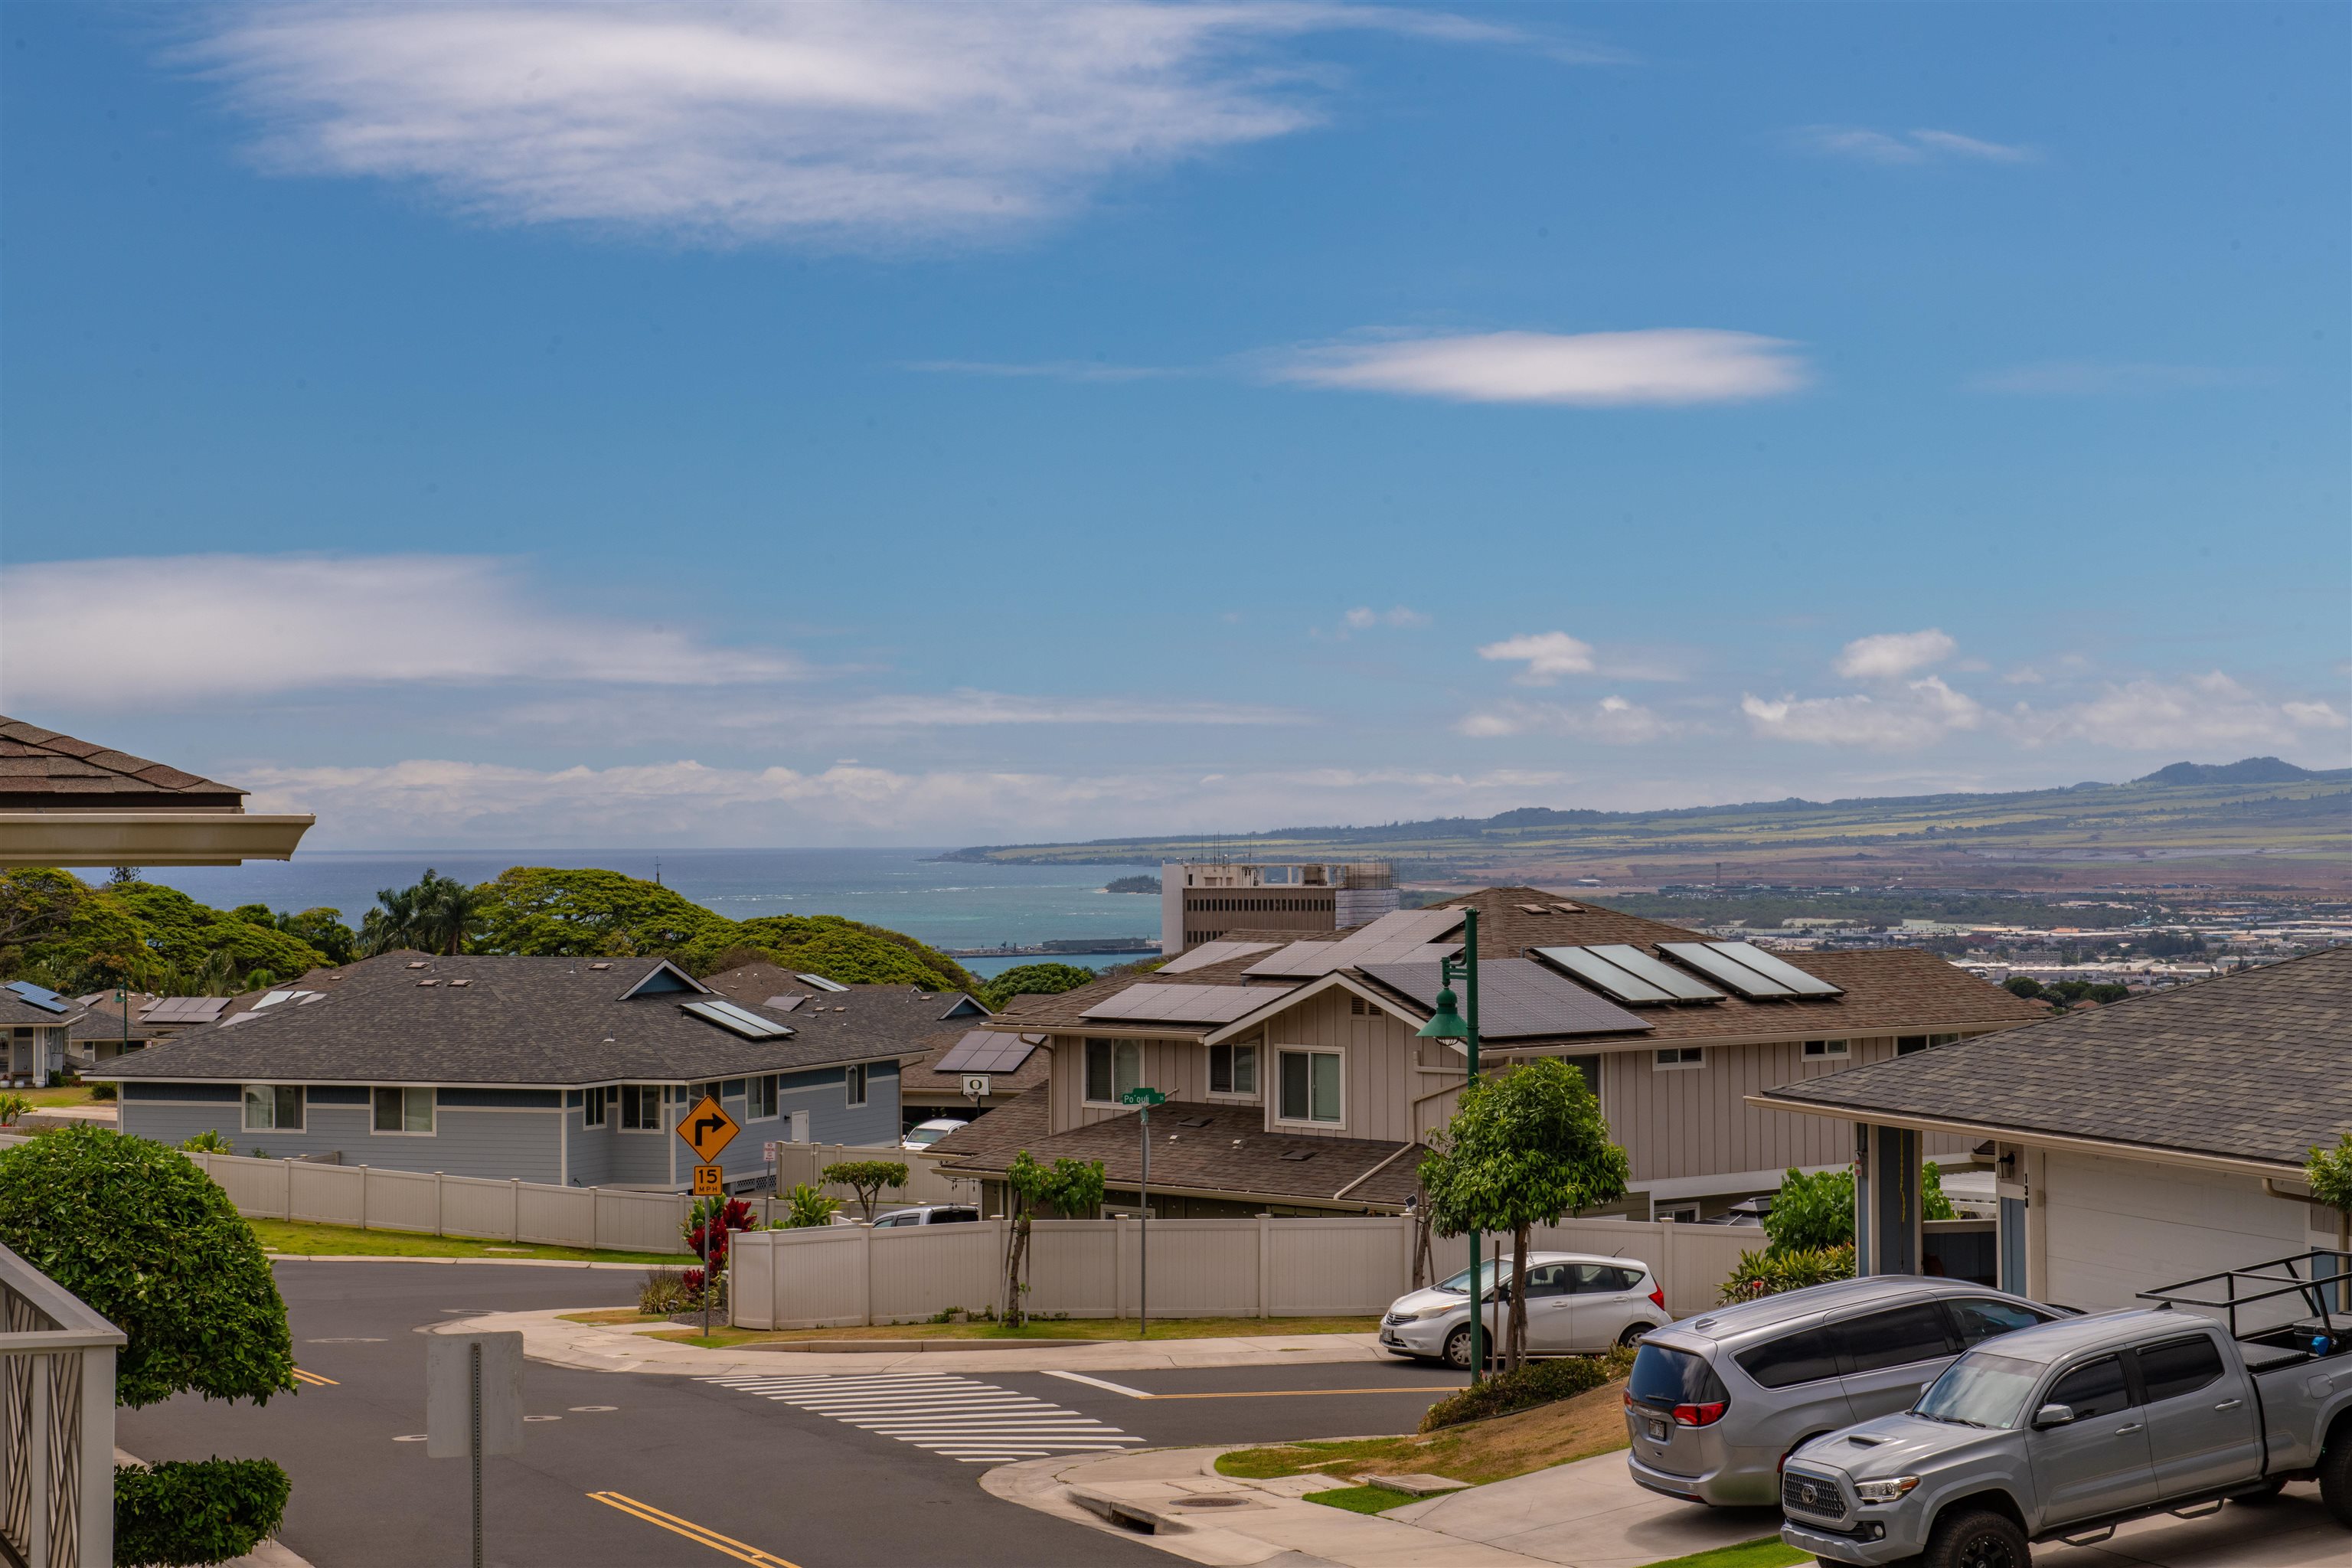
x=1143 y=1096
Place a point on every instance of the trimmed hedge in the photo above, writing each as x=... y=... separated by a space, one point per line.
x=179 y=1512
x=1536 y=1382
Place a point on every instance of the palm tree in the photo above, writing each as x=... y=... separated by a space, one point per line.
x=393 y=922
x=447 y=913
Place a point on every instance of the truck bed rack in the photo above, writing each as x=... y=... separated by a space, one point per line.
x=2321 y=1278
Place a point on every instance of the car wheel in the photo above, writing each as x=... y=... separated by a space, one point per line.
x=2267 y=1493
x=2335 y=1474
x=1458 y=1349
x=1632 y=1335
x=1977 y=1537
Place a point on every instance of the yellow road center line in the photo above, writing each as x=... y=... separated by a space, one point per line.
x=314 y=1377
x=1308 y=1393
x=699 y=1534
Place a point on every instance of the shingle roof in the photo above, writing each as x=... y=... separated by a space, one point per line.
x=1222 y=1148
x=1886 y=990
x=42 y=769
x=488 y=1020
x=15 y=1009
x=929 y=1075
x=2254 y=1066
x=103 y=1021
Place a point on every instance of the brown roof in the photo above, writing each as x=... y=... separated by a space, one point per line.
x=42 y=770
x=929 y=1075
x=1886 y=990
x=1220 y=1149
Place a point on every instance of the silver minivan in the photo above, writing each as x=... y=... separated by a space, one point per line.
x=1716 y=1402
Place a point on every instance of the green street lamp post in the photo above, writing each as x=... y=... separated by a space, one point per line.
x=1447 y=1024
x=1143 y=1098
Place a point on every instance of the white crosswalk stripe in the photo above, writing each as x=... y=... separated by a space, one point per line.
x=956 y=1417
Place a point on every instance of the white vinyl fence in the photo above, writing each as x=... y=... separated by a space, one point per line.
x=1292 y=1267
x=926 y=1184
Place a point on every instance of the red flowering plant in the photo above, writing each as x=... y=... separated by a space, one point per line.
x=711 y=1219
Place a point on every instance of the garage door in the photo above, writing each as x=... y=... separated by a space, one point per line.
x=2114 y=1227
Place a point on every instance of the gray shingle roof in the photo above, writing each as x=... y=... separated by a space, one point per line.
x=2251 y=1066
x=504 y=1021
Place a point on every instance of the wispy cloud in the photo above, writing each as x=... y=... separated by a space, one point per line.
x=1364 y=618
x=1891 y=654
x=1913 y=716
x=2191 y=715
x=2091 y=378
x=845 y=123
x=1667 y=365
x=1614 y=721
x=1862 y=144
x=243 y=625
x=1547 y=655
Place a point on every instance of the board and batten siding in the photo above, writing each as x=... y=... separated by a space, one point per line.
x=499 y=1142
x=1378 y=1082
x=1178 y=1069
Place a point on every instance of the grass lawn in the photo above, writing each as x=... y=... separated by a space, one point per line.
x=1043 y=1329
x=1476 y=1452
x=1362 y=1499
x=342 y=1240
x=1770 y=1552
x=50 y=1098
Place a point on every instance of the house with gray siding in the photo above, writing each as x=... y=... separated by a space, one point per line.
x=575 y=1071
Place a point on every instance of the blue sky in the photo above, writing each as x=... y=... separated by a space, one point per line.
x=878 y=425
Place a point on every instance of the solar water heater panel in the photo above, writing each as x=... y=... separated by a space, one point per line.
x=1772 y=966
x=1664 y=977
x=1703 y=957
x=1602 y=976
x=1210 y=952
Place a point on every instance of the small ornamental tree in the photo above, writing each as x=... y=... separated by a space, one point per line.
x=1811 y=1213
x=2329 y=1171
x=143 y=1238
x=1527 y=1147
x=866 y=1178
x=1072 y=1189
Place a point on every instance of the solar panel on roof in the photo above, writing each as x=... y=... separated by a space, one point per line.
x=1664 y=977
x=1520 y=999
x=821 y=983
x=1599 y=973
x=786 y=1003
x=980 y=1051
x=40 y=997
x=737 y=1020
x=1186 y=1004
x=1722 y=960
x=1772 y=966
x=1210 y=952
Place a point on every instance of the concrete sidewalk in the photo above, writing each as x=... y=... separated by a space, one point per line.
x=546 y=1337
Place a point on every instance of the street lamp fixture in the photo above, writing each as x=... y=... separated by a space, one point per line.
x=1448 y=1023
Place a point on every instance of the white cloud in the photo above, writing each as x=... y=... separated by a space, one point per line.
x=1891 y=654
x=1613 y=721
x=1364 y=618
x=1915 y=715
x=981 y=708
x=2090 y=378
x=2201 y=713
x=1667 y=365
x=1863 y=146
x=212 y=626
x=842 y=122
x=1547 y=656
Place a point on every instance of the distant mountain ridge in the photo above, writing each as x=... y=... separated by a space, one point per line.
x=2248 y=822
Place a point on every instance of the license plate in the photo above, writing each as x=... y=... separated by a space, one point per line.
x=1657 y=1431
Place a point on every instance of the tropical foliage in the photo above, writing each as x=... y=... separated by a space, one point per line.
x=190 y=1511
x=1526 y=1146
x=866 y=1178
x=72 y=937
x=1070 y=1188
x=1035 y=980
x=1774 y=1269
x=2329 y=1171
x=437 y=915
x=1811 y=1212
x=806 y=1206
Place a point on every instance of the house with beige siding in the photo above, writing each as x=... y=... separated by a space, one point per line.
x=1296 y=1080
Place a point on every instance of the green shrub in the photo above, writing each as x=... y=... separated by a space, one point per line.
x=663 y=1292
x=103 y=1092
x=204 y=1510
x=1523 y=1388
x=211 y=1140
x=1773 y=1270
x=146 y=1239
x=1810 y=1212
x=806 y=1207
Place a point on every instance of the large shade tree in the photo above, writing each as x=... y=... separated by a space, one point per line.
x=1527 y=1146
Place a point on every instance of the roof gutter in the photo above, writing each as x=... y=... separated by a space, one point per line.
x=86 y=837
x=2060 y=1142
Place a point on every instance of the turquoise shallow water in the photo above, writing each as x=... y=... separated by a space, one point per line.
x=948 y=904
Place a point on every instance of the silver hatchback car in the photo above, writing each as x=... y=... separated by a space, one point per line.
x=1716 y=1402
x=1578 y=1304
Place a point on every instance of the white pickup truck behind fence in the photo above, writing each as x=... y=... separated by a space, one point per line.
x=1293 y=1267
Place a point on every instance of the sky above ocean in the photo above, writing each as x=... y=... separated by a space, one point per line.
x=901 y=425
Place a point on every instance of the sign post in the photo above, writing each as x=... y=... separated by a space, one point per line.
x=708 y=1129
x=473 y=1403
x=1143 y=1097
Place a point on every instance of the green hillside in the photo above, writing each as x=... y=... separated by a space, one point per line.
x=2261 y=823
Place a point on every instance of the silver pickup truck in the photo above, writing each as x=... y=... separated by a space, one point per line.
x=2065 y=1430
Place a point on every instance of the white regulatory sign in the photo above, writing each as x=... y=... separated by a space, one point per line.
x=975 y=1085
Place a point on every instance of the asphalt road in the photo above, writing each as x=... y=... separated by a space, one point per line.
x=796 y=1479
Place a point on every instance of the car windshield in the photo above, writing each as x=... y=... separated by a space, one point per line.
x=921 y=1136
x=1460 y=1284
x=1981 y=1390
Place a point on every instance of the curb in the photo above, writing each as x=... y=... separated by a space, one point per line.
x=497 y=1262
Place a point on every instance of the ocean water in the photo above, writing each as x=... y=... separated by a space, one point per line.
x=945 y=903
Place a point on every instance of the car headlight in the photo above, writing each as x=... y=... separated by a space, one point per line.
x=1433 y=1312
x=1885 y=1491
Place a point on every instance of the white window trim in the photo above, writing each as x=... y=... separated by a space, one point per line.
x=376 y=1131
x=1275 y=1104
x=775 y=1115
x=661 y=1110
x=865 y=1071
x=1831 y=1051
x=1113 y=1103
x=1657 y=1065
x=303 y=1098
x=1235 y=1096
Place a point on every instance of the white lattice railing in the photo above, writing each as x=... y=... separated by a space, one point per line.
x=56 y=1423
